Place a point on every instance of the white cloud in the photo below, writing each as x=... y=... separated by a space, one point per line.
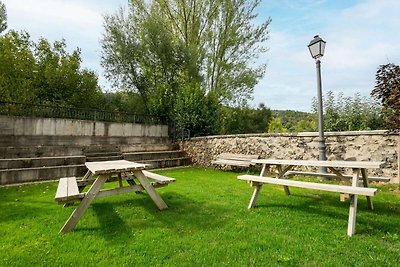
x=359 y=39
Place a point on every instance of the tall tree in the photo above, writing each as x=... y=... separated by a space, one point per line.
x=170 y=44
x=224 y=43
x=3 y=17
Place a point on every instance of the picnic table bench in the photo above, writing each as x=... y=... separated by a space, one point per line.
x=332 y=175
x=239 y=160
x=70 y=189
x=285 y=166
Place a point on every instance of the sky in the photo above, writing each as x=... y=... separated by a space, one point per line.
x=359 y=35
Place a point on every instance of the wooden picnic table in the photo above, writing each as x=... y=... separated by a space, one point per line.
x=336 y=168
x=97 y=175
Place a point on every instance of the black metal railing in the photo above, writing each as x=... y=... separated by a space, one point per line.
x=52 y=111
x=178 y=133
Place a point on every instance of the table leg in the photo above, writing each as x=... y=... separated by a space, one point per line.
x=80 y=210
x=120 y=180
x=87 y=176
x=254 y=197
x=351 y=227
x=282 y=173
x=365 y=183
x=264 y=170
x=150 y=190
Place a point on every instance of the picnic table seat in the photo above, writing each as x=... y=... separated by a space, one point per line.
x=353 y=192
x=239 y=160
x=346 y=189
x=70 y=189
x=67 y=190
x=332 y=175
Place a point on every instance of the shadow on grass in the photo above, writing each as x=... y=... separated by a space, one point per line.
x=140 y=213
x=381 y=219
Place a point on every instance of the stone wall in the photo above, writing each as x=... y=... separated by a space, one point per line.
x=363 y=145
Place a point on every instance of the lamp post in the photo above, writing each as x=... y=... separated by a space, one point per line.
x=317 y=49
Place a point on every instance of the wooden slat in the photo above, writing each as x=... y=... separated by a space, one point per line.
x=232 y=156
x=158 y=178
x=119 y=190
x=232 y=162
x=317 y=186
x=112 y=166
x=331 y=175
x=322 y=163
x=67 y=189
x=240 y=160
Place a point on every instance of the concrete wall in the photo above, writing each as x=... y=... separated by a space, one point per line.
x=17 y=126
x=364 y=145
x=47 y=137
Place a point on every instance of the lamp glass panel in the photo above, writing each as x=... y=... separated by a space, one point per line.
x=322 y=48
x=314 y=50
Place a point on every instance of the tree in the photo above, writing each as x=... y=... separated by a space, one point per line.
x=45 y=73
x=140 y=55
x=290 y=120
x=196 y=111
x=3 y=17
x=350 y=113
x=306 y=125
x=223 y=41
x=276 y=126
x=161 y=48
x=387 y=91
x=236 y=120
x=17 y=68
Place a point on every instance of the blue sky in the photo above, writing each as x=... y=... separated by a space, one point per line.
x=360 y=36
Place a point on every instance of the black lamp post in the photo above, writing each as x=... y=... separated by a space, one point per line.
x=317 y=49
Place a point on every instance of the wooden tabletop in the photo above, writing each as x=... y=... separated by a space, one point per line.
x=100 y=167
x=325 y=163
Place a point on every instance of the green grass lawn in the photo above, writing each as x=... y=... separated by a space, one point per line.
x=207 y=224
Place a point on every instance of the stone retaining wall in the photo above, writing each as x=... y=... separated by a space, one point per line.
x=364 y=145
x=17 y=126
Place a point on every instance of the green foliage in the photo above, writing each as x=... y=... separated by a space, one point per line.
x=124 y=101
x=350 y=113
x=196 y=111
x=306 y=125
x=3 y=17
x=207 y=223
x=296 y=121
x=142 y=56
x=18 y=68
x=387 y=91
x=276 y=126
x=44 y=73
x=174 y=52
x=244 y=120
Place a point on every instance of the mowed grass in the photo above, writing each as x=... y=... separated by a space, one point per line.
x=207 y=224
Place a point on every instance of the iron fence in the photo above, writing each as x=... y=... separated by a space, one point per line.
x=53 y=111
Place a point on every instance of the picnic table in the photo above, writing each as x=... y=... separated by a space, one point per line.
x=70 y=189
x=335 y=167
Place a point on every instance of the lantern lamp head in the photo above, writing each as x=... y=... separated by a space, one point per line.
x=317 y=47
